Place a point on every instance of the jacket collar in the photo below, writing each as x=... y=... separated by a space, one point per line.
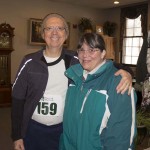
x=75 y=72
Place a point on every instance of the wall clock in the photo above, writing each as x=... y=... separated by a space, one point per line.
x=4 y=40
x=6 y=47
x=6 y=36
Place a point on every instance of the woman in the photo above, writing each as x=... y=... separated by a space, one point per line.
x=96 y=117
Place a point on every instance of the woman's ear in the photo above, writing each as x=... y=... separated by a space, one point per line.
x=103 y=54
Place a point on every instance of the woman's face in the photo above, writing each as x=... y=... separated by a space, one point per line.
x=89 y=57
x=54 y=32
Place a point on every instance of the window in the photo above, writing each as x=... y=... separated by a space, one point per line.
x=133 y=32
x=132 y=41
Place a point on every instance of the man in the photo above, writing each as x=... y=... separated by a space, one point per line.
x=38 y=93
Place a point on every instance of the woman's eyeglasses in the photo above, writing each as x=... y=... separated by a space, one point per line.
x=90 y=51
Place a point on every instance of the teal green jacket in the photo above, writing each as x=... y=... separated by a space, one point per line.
x=95 y=116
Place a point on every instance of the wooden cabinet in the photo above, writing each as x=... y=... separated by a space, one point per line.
x=5 y=96
x=110 y=47
x=6 y=35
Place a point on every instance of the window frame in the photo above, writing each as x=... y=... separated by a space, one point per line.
x=132 y=37
x=132 y=11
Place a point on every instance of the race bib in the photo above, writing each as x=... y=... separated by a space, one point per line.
x=50 y=106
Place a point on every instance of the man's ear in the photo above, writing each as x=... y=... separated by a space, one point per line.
x=66 y=37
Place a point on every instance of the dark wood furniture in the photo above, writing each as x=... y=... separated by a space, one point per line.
x=6 y=47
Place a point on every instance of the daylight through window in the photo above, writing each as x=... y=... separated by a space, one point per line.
x=132 y=41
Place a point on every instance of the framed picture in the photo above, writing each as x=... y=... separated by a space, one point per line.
x=66 y=43
x=99 y=29
x=35 y=37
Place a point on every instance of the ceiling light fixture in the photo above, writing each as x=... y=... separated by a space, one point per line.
x=116 y=2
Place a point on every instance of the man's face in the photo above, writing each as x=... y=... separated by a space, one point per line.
x=54 y=33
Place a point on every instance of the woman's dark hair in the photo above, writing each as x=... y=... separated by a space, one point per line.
x=93 y=40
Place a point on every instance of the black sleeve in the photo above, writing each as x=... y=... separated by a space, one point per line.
x=75 y=59
x=126 y=68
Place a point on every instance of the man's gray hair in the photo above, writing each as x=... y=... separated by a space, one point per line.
x=51 y=15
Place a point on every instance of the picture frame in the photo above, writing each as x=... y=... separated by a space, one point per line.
x=66 y=43
x=99 y=29
x=35 y=37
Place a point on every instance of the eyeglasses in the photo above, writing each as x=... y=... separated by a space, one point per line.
x=50 y=29
x=90 y=51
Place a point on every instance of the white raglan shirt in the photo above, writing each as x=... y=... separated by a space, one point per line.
x=50 y=109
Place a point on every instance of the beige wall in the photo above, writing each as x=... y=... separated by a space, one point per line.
x=18 y=12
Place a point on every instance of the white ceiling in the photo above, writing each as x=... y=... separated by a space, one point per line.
x=101 y=4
